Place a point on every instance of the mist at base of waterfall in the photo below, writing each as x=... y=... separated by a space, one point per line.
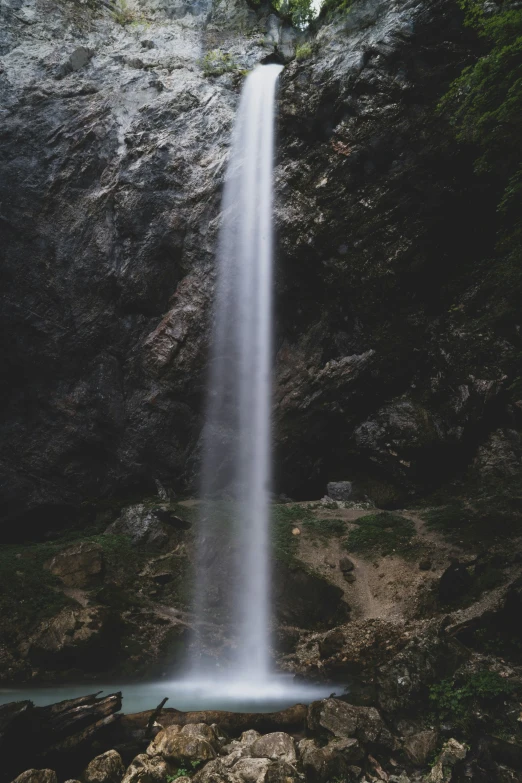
x=276 y=693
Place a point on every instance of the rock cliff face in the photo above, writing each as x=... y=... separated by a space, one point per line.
x=113 y=142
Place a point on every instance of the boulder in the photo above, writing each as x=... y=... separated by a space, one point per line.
x=106 y=768
x=452 y=752
x=420 y=746
x=37 y=776
x=144 y=769
x=142 y=526
x=332 y=644
x=183 y=744
x=202 y=731
x=346 y=565
x=345 y=720
x=330 y=762
x=80 y=565
x=249 y=737
x=454 y=583
x=216 y=771
x=339 y=490
x=252 y=770
x=277 y=746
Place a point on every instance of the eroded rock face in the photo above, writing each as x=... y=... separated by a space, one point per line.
x=78 y=566
x=123 y=138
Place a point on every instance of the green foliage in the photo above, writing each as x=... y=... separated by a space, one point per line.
x=183 y=772
x=298 y=12
x=453 y=700
x=383 y=533
x=337 y=7
x=124 y=14
x=485 y=108
x=216 y=62
x=304 y=50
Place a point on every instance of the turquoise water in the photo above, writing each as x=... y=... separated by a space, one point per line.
x=276 y=693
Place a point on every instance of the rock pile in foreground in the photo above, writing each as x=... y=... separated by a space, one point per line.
x=338 y=742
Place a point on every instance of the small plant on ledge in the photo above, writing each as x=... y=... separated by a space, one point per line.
x=217 y=62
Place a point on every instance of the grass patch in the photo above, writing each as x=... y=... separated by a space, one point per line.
x=284 y=518
x=324 y=528
x=384 y=533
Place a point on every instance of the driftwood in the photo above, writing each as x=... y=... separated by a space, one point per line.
x=291 y=720
x=62 y=733
x=154 y=717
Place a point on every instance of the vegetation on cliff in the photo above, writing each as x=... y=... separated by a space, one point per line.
x=485 y=107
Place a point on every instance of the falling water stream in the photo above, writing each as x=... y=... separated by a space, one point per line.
x=236 y=457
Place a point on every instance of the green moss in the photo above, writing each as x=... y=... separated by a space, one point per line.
x=216 y=62
x=28 y=591
x=383 y=533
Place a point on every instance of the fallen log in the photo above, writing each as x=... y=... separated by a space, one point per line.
x=291 y=720
x=28 y=734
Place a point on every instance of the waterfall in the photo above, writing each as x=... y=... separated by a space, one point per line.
x=232 y=569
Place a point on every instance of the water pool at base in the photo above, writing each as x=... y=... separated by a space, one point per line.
x=271 y=695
